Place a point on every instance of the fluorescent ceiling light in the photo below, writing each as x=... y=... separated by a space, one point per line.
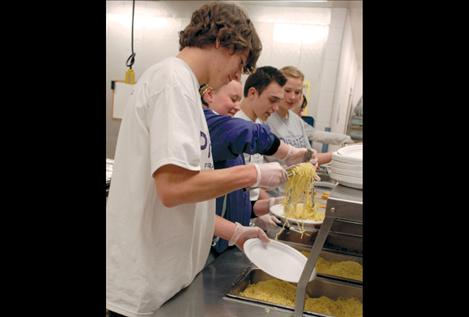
x=288 y=33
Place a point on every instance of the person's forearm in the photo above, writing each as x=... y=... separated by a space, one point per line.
x=328 y=137
x=176 y=185
x=224 y=228
x=324 y=158
x=282 y=151
x=261 y=207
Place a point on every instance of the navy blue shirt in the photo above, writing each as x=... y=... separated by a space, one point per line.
x=230 y=138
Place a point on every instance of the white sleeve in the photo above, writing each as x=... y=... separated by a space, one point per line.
x=309 y=130
x=329 y=137
x=325 y=137
x=175 y=132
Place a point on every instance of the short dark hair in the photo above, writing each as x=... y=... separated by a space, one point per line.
x=262 y=78
x=226 y=23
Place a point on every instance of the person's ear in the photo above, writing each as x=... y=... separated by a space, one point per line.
x=252 y=91
x=208 y=95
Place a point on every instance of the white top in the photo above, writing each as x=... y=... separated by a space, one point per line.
x=290 y=130
x=325 y=137
x=251 y=159
x=152 y=251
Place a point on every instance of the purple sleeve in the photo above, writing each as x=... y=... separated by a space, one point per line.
x=231 y=137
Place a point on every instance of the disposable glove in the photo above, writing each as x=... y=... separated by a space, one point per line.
x=270 y=175
x=300 y=155
x=243 y=233
x=266 y=221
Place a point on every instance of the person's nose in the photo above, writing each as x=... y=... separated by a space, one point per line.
x=275 y=107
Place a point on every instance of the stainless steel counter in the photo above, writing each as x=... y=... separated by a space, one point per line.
x=204 y=297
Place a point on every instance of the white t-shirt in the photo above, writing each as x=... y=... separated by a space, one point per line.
x=153 y=251
x=251 y=159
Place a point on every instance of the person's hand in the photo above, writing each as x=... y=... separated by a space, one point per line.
x=312 y=157
x=270 y=175
x=295 y=155
x=317 y=178
x=262 y=206
x=243 y=233
x=267 y=221
x=300 y=155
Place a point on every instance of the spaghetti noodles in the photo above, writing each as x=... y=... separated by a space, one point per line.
x=299 y=200
x=283 y=293
x=347 y=269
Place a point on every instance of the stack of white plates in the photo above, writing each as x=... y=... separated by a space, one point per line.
x=346 y=166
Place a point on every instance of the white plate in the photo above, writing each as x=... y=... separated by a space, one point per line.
x=347 y=166
x=347 y=178
x=277 y=259
x=345 y=172
x=322 y=184
x=352 y=151
x=353 y=185
x=278 y=211
x=352 y=154
x=348 y=181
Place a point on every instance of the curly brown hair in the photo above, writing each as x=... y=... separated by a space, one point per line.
x=226 y=23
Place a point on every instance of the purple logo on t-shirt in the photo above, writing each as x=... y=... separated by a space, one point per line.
x=203 y=145
x=203 y=141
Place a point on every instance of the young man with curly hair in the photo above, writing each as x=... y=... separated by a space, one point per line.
x=160 y=215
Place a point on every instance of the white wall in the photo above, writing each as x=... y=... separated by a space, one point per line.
x=345 y=77
x=156 y=27
x=341 y=78
x=329 y=70
x=307 y=37
x=293 y=36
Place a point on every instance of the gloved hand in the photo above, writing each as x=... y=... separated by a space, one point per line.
x=243 y=233
x=300 y=155
x=314 y=157
x=266 y=221
x=270 y=175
